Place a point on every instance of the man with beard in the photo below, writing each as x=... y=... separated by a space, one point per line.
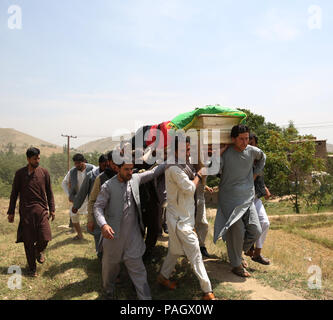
x=72 y=184
x=118 y=213
x=33 y=185
x=110 y=171
x=181 y=183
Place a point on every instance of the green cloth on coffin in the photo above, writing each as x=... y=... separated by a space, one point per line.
x=185 y=120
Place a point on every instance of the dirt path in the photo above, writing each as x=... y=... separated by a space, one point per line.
x=222 y=272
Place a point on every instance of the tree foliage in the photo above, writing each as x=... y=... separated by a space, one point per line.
x=290 y=164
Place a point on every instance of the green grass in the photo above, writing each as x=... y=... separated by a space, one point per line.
x=73 y=272
x=282 y=278
x=285 y=207
x=322 y=241
x=302 y=224
x=305 y=222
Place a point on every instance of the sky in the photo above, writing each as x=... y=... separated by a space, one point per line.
x=95 y=69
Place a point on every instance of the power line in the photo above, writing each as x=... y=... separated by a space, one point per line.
x=311 y=125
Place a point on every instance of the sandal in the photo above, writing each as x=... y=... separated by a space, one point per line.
x=77 y=238
x=241 y=272
x=41 y=258
x=250 y=252
x=244 y=263
x=209 y=296
x=261 y=259
x=166 y=282
x=32 y=273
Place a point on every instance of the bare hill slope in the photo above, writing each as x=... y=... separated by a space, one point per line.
x=22 y=141
x=100 y=145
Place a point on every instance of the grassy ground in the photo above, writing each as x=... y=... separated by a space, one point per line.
x=283 y=207
x=72 y=271
x=293 y=245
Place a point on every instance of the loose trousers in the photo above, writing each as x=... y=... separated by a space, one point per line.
x=32 y=250
x=135 y=268
x=242 y=235
x=264 y=222
x=190 y=244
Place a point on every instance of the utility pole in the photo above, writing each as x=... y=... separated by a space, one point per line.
x=68 y=148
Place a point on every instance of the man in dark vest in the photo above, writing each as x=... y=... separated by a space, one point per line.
x=72 y=184
x=88 y=183
x=110 y=171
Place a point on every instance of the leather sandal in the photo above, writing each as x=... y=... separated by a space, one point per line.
x=32 y=273
x=250 y=252
x=166 y=282
x=241 y=272
x=244 y=263
x=261 y=259
x=209 y=296
x=41 y=258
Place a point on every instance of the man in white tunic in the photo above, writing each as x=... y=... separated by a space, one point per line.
x=72 y=184
x=181 y=184
x=236 y=218
x=118 y=213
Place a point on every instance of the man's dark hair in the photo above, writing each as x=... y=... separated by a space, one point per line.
x=102 y=158
x=238 y=129
x=31 y=152
x=109 y=155
x=254 y=136
x=126 y=160
x=181 y=139
x=78 y=157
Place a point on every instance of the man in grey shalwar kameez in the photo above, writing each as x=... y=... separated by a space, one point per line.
x=118 y=213
x=236 y=218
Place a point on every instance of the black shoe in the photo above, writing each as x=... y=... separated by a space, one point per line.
x=100 y=256
x=204 y=252
x=147 y=255
x=165 y=228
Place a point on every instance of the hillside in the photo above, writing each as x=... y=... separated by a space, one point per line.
x=100 y=145
x=22 y=141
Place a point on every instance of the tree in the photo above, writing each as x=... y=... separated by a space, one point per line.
x=260 y=127
x=291 y=163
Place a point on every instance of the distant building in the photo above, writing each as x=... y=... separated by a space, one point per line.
x=321 y=147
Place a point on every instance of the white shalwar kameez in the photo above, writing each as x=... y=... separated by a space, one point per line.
x=180 y=220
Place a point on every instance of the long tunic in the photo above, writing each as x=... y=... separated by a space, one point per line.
x=133 y=246
x=181 y=207
x=81 y=175
x=36 y=199
x=236 y=189
x=128 y=242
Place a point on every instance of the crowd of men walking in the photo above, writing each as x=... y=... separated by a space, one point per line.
x=129 y=205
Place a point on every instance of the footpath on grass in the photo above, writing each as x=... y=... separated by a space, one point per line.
x=221 y=271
